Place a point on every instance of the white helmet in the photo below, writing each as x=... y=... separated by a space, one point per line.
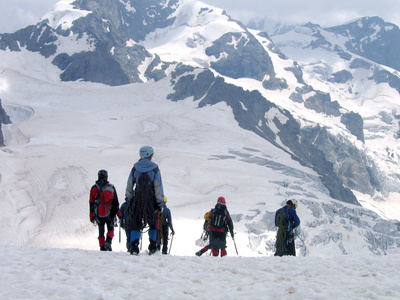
x=293 y=202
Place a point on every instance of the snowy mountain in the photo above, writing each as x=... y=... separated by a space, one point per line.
x=228 y=110
x=270 y=26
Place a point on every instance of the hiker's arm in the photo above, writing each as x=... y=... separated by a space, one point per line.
x=91 y=204
x=129 y=192
x=170 y=220
x=296 y=219
x=158 y=188
x=230 y=225
x=276 y=214
x=115 y=204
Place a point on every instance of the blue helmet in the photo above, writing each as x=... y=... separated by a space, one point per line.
x=146 y=151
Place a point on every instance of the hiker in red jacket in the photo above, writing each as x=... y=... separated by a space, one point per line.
x=104 y=206
x=220 y=223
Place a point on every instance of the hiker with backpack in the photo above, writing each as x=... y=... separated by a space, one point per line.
x=221 y=222
x=206 y=234
x=165 y=223
x=104 y=207
x=286 y=220
x=144 y=193
x=123 y=210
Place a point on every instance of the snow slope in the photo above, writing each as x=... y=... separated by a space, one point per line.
x=72 y=130
x=36 y=273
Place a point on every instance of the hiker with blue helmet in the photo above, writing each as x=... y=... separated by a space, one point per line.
x=144 y=194
x=286 y=220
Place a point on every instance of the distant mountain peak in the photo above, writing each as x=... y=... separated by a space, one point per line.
x=64 y=14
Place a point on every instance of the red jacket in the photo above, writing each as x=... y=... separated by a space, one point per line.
x=107 y=204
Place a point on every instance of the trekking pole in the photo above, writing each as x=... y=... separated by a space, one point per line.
x=170 y=245
x=235 y=246
x=120 y=233
x=297 y=235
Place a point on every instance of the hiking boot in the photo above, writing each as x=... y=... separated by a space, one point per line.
x=134 y=249
x=164 y=252
x=107 y=246
x=200 y=252
x=152 y=247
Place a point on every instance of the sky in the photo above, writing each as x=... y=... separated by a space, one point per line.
x=18 y=14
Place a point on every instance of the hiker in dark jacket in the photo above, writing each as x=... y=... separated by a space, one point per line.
x=166 y=224
x=286 y=220
x=104 y=206
x=124 y=212
x=142 y=212
x=217 y=233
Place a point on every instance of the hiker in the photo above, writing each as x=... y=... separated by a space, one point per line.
x=144 y=193
x=124 y=211
x=286 y=220
x=206 y=234
x=166 y=223
x=104 y=207
x=221 y=222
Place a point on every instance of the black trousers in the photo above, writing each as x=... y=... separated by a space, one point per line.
x=291 y=249
x=165 y=232
x=105 y=221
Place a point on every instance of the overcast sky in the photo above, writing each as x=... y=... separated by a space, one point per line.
x=17 y=14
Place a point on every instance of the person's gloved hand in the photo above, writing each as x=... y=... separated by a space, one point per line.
x=173 y=232
x=91 y=216
x=232 y=234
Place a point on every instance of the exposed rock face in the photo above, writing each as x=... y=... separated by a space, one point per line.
x=240 y=55
x=354 y=123
x=312 y=146
x=372 y=38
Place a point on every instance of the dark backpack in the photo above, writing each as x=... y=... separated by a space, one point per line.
x=219 y=217
x=141 y=210
x=282 y=219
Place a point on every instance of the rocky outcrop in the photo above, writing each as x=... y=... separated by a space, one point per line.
x=240 y=55
x=311 y=146
x=372 y=38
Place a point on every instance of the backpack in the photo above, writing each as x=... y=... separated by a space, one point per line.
x=207 y=221
x=282 y=219
x=218 y=217
x=103 y=202
x=141 y=210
